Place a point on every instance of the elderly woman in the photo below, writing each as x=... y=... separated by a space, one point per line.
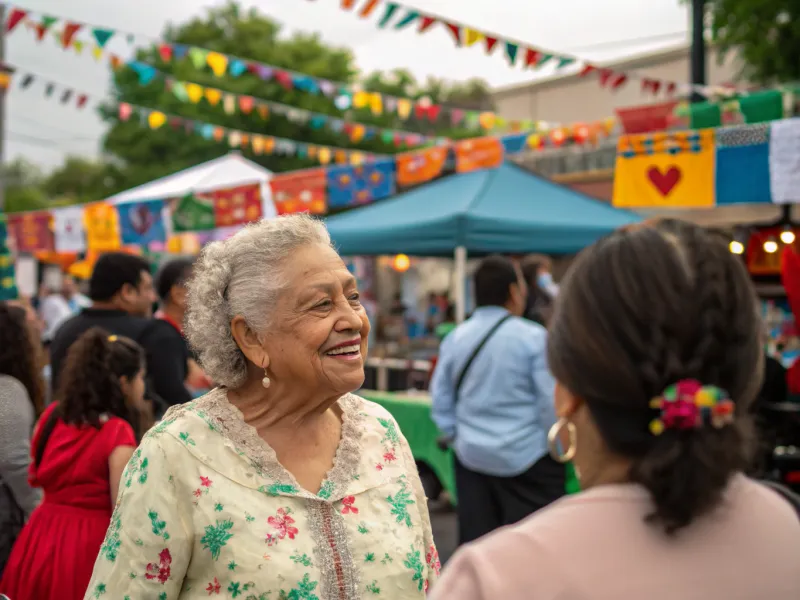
x=280 y=483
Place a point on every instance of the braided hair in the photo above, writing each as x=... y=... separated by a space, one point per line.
x=640 y=310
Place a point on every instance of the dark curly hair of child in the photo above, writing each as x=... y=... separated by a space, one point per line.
x=19 y=357
x=640 y=310
x=89 y=387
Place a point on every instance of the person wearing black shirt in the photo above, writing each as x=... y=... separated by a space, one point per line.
x=174 y=350
x=122 y=294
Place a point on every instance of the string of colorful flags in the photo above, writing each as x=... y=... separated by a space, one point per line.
x=265 y=144
x=67 y=32
x=398 y=16
x=187 y=91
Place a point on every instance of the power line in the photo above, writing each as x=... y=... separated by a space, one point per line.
x=74 y=135
x=627 y=42
x=41 y=141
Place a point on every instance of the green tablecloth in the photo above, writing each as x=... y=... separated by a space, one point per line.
x=413 y=415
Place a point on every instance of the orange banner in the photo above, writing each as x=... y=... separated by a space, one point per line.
x=237 y=206
x=420 y=167
x=102 y=227
x=480 y=153
x=300 y=192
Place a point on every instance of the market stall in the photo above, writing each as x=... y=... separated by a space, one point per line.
x=505 y=210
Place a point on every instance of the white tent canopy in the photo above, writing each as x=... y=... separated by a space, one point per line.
x=225 y=172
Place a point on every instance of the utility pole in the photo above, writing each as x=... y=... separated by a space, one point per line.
x=3 y=94
x=698 y=48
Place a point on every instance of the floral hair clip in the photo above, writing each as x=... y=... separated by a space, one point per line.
x=689 y=404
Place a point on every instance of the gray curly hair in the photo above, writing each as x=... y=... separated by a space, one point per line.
x=242 y=275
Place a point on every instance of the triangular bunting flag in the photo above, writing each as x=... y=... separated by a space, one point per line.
x=348 y=4
x=490 y=44
x=543 y=58
x=198 y=57
x=49 y=89
x=26 y=81
x=587 y=69
x=455 y=30
x=82 y=99
x=66 y=96
x=45 y=24
x=511 y=52
x=565 y=61
x=14 y=18
x=410 y=17
x=97 y=52
x=471 y=36
x=391 y=8
x=115 y=62
x=69 y=32
x=619 y=81
x=218 y=63
x=165 y=52
x=604 y=75
x=78 y=45
x=425 y=24
x=102 y=36
x=367 y=9
x=531 y=57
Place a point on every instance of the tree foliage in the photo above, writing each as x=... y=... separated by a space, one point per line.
x=765 y=33
x=147 y=154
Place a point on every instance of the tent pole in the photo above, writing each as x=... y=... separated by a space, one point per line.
x=461 y=278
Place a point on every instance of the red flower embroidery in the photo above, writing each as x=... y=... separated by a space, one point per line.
x=205 y=481
x=348 y=505
x=213 y=587
x=432 y=558
x=425 y=586
x=282 y=523
x=197 y=493
x=160 y=571
x=389 y=456
x=379 y=467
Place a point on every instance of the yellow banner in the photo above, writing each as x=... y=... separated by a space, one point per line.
x=665 y=170
x=102 y=227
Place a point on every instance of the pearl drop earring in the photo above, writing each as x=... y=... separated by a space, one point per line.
x=265 y=382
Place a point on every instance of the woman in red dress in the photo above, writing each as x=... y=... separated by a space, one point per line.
x=80 y=448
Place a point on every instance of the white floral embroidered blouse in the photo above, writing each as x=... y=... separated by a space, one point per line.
x=206 y=510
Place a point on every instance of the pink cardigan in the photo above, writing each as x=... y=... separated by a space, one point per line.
x=596 y=546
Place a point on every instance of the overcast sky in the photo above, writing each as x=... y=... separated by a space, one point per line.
x=44 y=132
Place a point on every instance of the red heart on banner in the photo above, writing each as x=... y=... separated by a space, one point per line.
x=664 y=182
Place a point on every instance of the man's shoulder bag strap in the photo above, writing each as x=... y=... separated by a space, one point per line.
x=475 y=353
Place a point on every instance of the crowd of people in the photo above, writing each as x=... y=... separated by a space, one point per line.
x=281 y=483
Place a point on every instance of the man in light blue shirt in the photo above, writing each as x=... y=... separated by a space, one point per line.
x=497 y=422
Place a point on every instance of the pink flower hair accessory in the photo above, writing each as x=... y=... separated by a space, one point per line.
x=688 y=404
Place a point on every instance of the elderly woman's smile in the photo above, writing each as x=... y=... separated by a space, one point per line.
x=349 y=350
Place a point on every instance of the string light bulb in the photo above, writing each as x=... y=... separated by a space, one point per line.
x=401 y=263
x=770 y=246
x=736 y=247
x=787 y=235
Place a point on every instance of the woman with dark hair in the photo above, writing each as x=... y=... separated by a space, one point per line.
x=21 y=391
x=80 y=448
x=657 y=351
x=540 y=302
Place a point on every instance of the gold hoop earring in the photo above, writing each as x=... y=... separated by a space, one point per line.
x=553 y=439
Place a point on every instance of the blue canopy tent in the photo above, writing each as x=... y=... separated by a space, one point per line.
x=505 y=210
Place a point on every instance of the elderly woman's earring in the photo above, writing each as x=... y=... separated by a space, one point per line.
x=265 y=382
x=553 y=441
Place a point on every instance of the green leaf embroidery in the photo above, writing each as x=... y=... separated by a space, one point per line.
x=233 y=588
x=373 y=588
x=136 y=466
x=301 y=560
x=112 y=542
x=413 y=561
x=362 y=528
x=369 y=557
x=159 y=527
x=400 y=503
x=303 y=591
x=162 y=596
x=217 y=536
x=249 y=518
x=232 y=566
x=186 y=438
x=218 y=507
x=326 y=490
x=386 y=559
x=276 y=489
x=99 y=590
x=391 y=434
